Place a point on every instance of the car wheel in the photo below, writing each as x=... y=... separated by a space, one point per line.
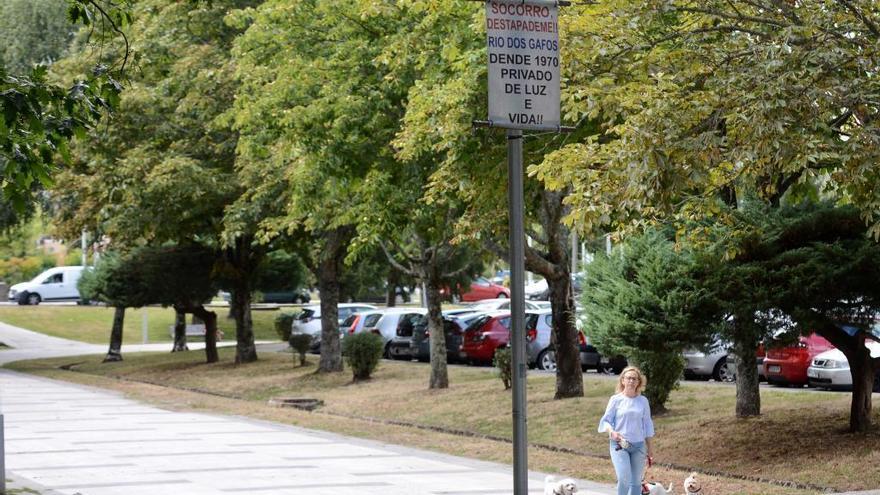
x=722 y=373
x=33 y=299
x=501 y=295
x=547 y=360
x=387 y=353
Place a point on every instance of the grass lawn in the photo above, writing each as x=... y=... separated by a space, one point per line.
x=92 y=324
x=800 y=437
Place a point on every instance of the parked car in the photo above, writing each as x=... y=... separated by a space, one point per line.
x=787 y=365
x=499 y=305
x=356 y=322
x=830 y=369
x=481 y=288
x=540 y=354
x=760 y=354
x=702 y=365
x=454 y=324
x=577 y=280
x=484 y=336
x=308 y=321
x=54 y=284
x=396 y=328
x=293 y=296
x=536 y=290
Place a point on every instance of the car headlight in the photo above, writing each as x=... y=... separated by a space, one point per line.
x=831 y=363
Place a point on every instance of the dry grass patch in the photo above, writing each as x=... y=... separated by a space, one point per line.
x=799 y=438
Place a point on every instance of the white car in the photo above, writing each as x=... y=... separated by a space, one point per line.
x=308 y=321
x=830 y=369
x=499 y=305
x=54 y=284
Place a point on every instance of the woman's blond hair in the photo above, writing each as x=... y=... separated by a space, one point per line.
x=643 y=380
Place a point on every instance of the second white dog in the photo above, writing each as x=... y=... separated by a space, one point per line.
x=565 y=486
x=692 y=486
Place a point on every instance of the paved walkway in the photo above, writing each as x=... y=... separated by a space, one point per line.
x=63 y=438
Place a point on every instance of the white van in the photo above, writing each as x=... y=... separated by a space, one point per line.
x=55 y=284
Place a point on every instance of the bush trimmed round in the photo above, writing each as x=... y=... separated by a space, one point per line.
x=362 y=353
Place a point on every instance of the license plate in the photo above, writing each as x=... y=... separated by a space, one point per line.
x=812 y=373
x=774 y=369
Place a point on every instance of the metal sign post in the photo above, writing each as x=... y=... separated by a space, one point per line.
x=523 y=49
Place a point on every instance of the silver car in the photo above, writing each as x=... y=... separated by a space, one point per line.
x=830 y=369
x=712 y=365
x=309 y=320
x=539 y=352
x=397 y=325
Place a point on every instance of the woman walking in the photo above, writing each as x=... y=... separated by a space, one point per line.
x=627 y=420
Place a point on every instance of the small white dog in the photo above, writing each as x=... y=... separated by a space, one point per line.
x=656 y=488
x=692 y=485
x=565 y=486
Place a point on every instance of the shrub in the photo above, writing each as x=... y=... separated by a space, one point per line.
x=300 y=344
x=504 y=362
x=283 y=324
x=362 y=353
x=14 y=270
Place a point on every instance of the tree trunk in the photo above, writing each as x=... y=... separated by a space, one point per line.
x=328 y=269
x=569 y=377
x=243 y=259
x=179 y=331
x=748 y=395
x=210 y=319
x=391 y=288
x=862 y=369
x=439 y=372
x=245 y=347
x=115 y=351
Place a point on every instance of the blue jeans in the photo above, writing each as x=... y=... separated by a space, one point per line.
x=629 y=465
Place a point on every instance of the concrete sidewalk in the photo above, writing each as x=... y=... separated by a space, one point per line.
x=66 y=438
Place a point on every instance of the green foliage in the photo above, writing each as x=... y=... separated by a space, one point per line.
x=503 y=362
x=645 y=301
x=33 y=31
x=14 y=269
x=362 y=352
x=284 y=324
x=181 y=276
x=300 y=344
x=663 y=369
x=117 y=281
x=279 y=271
x=41 y=117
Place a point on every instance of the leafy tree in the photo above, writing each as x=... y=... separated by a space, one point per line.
x=166 y=170
x=645 y=301
x=41 y=117
x=314 y=110
x=32 y=32
x=446 y=44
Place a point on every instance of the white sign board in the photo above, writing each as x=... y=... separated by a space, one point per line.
x=523 y=46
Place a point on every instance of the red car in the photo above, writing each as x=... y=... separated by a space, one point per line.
x=484 y=335
x=788 y=365
x=480 y=289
